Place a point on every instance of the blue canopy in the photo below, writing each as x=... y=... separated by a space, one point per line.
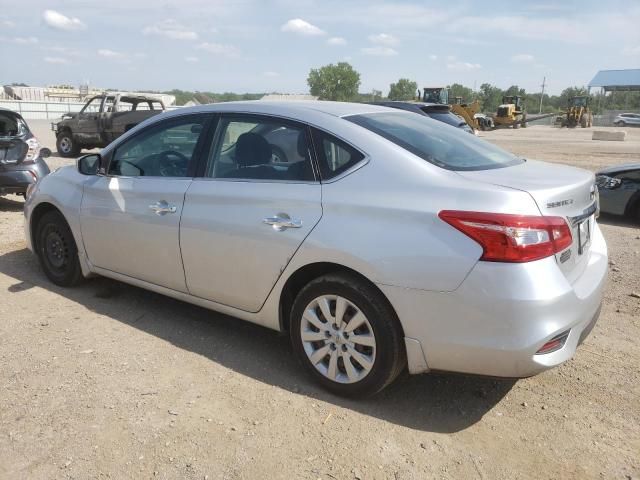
x=617 y=80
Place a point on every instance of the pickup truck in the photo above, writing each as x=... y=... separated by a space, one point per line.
x=103 y=119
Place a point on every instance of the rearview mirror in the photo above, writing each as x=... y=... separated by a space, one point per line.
x=89 y=164
x=45 y=152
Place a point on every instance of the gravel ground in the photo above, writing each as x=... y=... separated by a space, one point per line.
x=111 y=381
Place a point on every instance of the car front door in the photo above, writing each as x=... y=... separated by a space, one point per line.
x=246 y=216
x=87 y=131
x=130 y=217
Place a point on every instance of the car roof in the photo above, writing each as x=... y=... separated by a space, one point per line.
x=292 y=107
x=13 y=112
x=625 y=167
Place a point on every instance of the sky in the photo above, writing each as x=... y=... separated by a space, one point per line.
x=270 y=46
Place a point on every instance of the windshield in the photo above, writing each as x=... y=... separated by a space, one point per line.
x=436 y=142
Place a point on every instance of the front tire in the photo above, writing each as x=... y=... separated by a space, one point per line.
x=67 y=147
x=347 y=336
x=57 y=250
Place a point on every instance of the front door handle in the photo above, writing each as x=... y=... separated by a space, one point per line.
x=162 y=208
x=281 y=222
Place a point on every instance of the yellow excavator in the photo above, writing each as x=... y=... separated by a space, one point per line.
x=511 y=112
x=578 y=113
x=467 y=111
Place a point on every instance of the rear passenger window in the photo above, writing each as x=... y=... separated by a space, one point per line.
x=334 y=155
x=260 y=148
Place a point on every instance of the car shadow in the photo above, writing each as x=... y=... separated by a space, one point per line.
x=443 y=403
x=10 y=205
x=618 y=220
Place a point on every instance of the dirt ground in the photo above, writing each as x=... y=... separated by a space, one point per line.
x=111 y=381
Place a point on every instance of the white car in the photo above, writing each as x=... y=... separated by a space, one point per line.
x=627 y=119
x=379 y=239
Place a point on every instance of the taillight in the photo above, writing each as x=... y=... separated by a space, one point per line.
x=33 y=151
x=512 y=238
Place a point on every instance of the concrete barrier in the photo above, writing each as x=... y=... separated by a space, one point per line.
x=615 y=135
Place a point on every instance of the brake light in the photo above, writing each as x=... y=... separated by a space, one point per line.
x=33 y=151
x=512 y=238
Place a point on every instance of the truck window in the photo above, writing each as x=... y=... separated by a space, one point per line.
x=93 y=106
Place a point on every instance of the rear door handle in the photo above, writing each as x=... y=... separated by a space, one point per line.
x=282 y=221
x=162 y=208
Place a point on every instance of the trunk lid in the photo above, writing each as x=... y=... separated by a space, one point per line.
x=12 y=150
x=558 y=190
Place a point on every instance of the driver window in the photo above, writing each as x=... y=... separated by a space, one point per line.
x=93 y=106
x=163 y=151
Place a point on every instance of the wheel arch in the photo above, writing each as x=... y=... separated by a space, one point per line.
x=633 y=205
x=303 y=275
x=38 y=212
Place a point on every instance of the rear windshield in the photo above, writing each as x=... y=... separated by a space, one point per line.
x=11 y=125
x=436 y=142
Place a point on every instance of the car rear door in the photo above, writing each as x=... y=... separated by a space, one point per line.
x=245 y=217
x=130 y=217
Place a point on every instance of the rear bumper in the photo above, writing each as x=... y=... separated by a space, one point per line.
x=16 y=178
x=501 y=315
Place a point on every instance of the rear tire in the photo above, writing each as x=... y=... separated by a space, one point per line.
x=353 y=354
x=57 y=250
x=67 y=147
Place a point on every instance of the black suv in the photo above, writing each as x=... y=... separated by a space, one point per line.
x=21 y=155
x=437 y=111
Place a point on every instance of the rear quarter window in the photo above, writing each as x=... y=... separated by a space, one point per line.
x=334 y=155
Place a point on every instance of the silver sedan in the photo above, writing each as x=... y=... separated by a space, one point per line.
x=380 y=240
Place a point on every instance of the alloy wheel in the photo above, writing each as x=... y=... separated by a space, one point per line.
x=338 y=339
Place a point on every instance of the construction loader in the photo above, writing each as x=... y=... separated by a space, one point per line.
x=510 y=113
x=578 y=113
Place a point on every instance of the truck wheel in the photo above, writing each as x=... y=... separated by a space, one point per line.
x=584 y=122
x=66 y=146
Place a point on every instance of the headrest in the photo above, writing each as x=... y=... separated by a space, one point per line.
x=252 y=149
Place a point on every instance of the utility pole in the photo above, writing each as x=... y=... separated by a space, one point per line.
x=544 y=80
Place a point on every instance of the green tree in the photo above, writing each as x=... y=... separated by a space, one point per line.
x=490 y=97
x=338 y=82
x=403 y=89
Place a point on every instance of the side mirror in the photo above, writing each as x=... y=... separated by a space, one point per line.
x=89 y=164
x=45 y=152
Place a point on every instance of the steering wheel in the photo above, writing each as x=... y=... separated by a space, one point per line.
x=173 y=164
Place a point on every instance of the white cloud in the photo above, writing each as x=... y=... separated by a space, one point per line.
x=433 y=57
x=7 y=24
x=297 y=25
x=336 y=41
x=522 y=58
x=219 y=49
x=379 y=51
x=271 y=74
x=56 y=60
x=59 y=21
x=25 y=40
x=191 y=59
x=463 y=66
x=171 y=29
x=105 y=52
x=631 y=51
x=384 y=39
